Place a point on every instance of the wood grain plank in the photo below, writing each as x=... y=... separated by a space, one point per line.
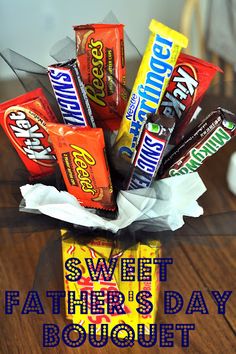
x=184 y=279
x=214 y=263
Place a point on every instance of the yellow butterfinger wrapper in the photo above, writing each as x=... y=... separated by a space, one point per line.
x=154 y=73
x=101 y=248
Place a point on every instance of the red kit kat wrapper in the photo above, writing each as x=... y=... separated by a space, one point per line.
x=101 y=59
x=189 y=82
x=24 y=121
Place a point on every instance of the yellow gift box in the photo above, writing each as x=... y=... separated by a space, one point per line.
x=101 y=248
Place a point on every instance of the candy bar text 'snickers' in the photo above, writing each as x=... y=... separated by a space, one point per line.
x=201 y=143
x=154 y=73
x=24 y=120
x=149 y=152
x=70 y=93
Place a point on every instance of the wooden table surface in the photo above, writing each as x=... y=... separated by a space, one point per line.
x=203 y=260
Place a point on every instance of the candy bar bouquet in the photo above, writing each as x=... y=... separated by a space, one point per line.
x=116 y=192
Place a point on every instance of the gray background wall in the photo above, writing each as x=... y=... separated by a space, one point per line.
x=31 y=27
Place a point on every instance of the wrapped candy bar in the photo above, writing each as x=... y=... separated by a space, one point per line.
x=150 y=151
x=82 y=160
x=201 y=143
x=24 y=121
x=190 y=80
x=100 y=56
x=158 y=62
x=70 y=93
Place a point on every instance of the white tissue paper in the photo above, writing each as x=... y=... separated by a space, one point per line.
x=231 y=173
x=166 y=202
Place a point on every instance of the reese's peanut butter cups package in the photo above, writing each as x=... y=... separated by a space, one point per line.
x=100 y=56
x=24 y=121
x=82 y=159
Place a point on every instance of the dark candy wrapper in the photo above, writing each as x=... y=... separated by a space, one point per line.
x=201 y=143
x=150 y=151
x=70 y=93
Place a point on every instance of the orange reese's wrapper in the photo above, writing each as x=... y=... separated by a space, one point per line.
x=82 y=160
x=101 y=59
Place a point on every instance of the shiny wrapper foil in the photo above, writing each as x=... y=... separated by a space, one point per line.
x=102 y=248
